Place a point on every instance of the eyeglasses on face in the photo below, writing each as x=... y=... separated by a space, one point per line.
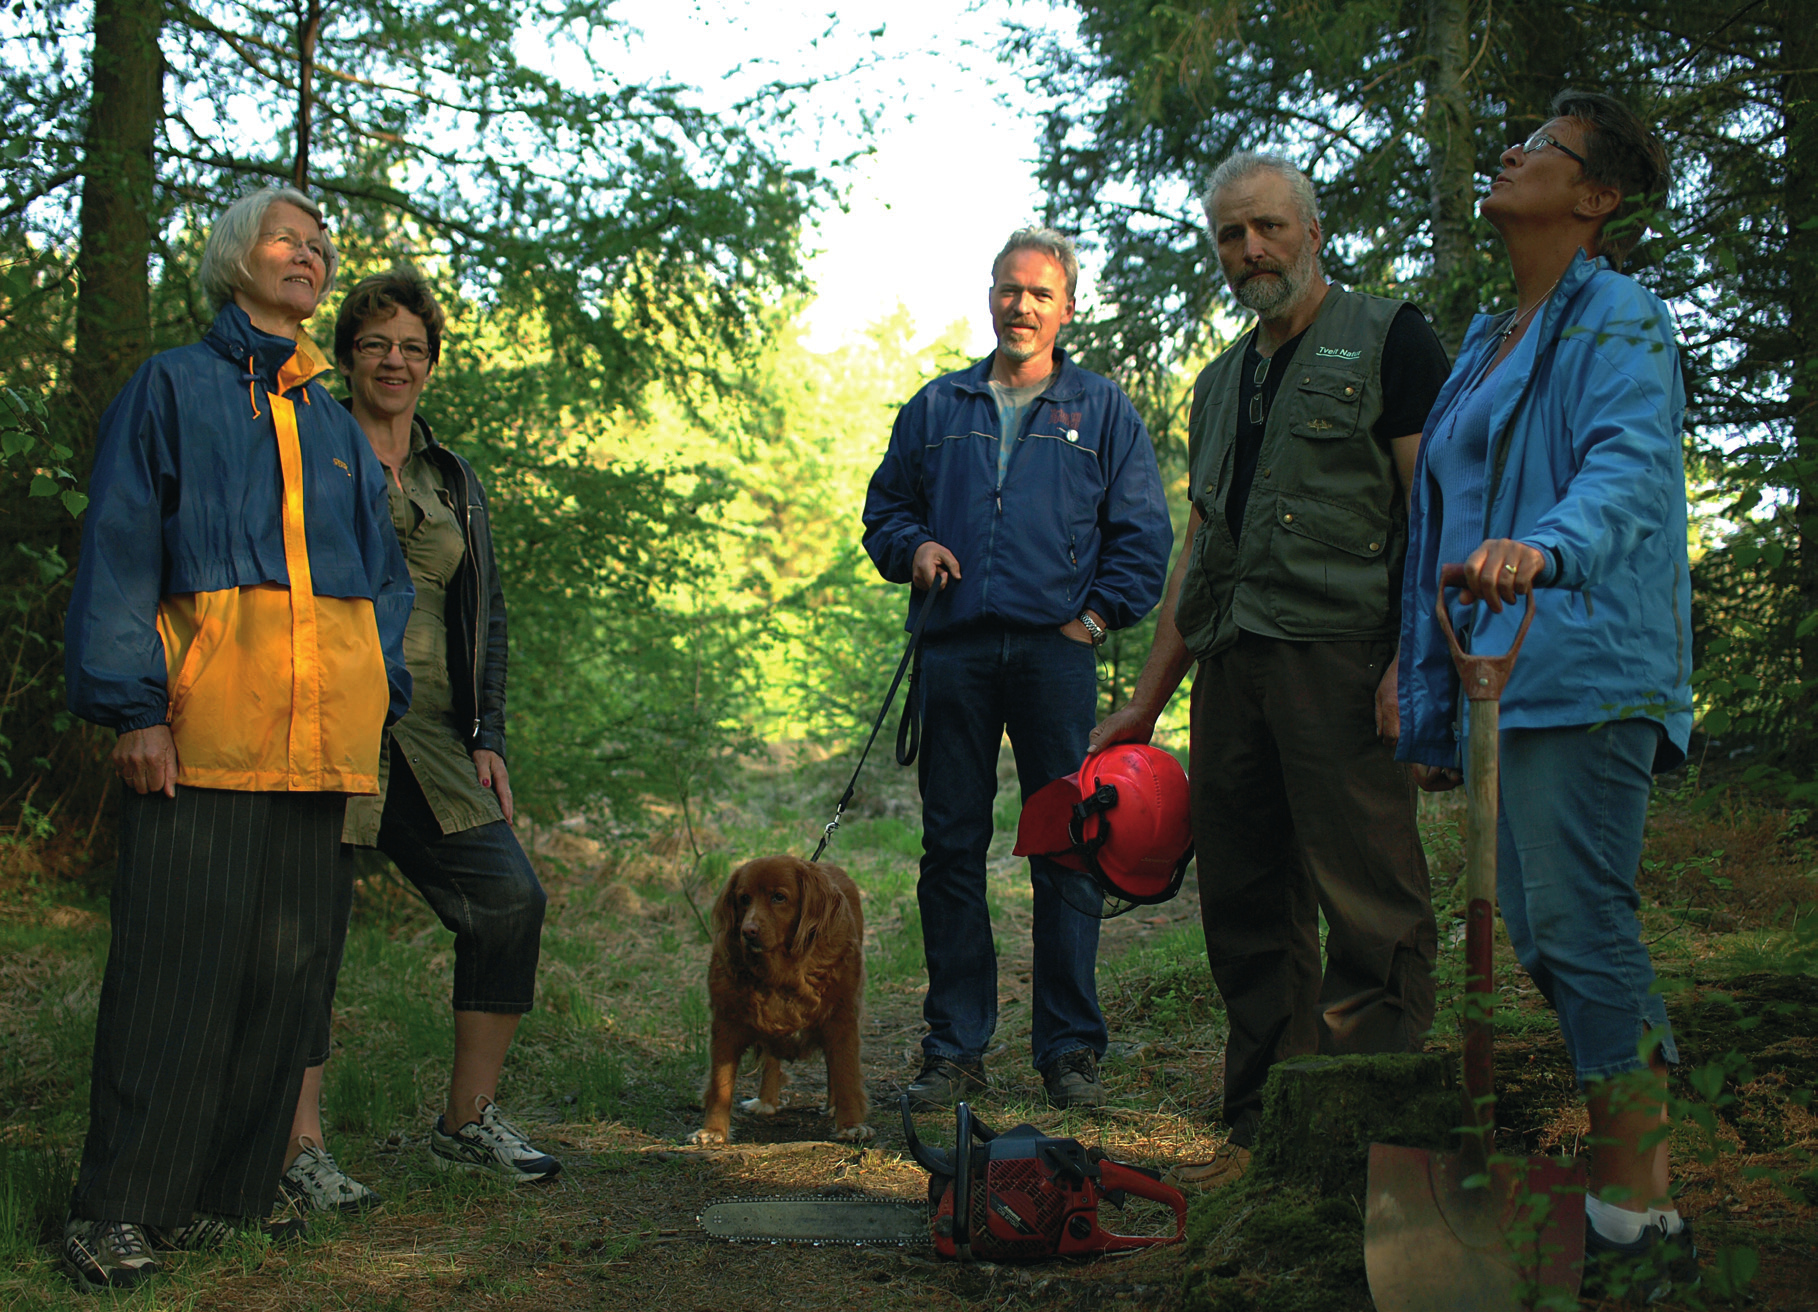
x=377 y=348
x=1540 y=140
x=291 y=241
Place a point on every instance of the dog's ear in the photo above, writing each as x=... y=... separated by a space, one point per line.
x=726 y=910
x=820 y=902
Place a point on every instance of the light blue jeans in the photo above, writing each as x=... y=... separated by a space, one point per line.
x=1574 y=804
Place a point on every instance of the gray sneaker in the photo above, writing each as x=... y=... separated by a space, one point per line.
x=204 y=1232
x=1071 y=1080
x=107 y=1254
x=315 y=1182
x=490 y=1144
x=210 y=1232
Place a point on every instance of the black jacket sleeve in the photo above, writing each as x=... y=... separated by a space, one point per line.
x=490 y=736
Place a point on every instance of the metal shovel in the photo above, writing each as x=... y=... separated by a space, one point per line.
x=1459 y=1230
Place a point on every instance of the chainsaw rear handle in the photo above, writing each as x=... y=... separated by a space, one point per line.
x=1117 y=1179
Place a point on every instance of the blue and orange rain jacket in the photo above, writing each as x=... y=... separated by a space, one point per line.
x=240 y=578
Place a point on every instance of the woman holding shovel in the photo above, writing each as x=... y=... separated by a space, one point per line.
x=1552 y=466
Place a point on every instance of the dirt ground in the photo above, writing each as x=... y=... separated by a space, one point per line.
x=619 y=1229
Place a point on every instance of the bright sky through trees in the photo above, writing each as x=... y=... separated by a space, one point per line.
x=950 y=173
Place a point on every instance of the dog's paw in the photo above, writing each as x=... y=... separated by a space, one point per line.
x=758 y=1107
x=860 y=1133
x=706 y=1137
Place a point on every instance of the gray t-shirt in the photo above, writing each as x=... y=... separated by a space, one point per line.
x=1012 y=404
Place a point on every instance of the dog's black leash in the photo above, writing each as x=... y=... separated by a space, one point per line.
x=908 y=728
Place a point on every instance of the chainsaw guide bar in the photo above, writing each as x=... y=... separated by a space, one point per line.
x=810 y=1220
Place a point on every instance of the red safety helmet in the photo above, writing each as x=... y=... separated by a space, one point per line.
x=1121 y=818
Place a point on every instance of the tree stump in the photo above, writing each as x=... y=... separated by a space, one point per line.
x=1321 y=1114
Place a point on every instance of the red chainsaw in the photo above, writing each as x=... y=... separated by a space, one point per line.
x=1019 y=1196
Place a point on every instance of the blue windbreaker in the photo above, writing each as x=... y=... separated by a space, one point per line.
x=240 y=579
x=1078 y=522
x=1586 y=462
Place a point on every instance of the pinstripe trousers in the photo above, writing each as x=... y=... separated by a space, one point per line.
x=227 y=909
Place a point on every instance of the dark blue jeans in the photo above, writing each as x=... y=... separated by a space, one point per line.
x=1042 y=688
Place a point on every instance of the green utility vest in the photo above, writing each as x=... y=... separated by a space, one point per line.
x=1326 y=526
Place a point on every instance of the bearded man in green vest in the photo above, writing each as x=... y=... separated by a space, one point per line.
x=1302 y=439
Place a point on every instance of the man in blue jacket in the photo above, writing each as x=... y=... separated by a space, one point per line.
x=1020 y=498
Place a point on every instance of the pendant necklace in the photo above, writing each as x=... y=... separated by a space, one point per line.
x=1509 y=330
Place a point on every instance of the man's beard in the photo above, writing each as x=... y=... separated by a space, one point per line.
x=1011 y=349
x=1281 y=291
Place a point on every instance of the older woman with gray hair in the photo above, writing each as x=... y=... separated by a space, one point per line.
x=238 y=619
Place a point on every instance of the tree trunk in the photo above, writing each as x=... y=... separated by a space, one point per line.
x=1449 y=128
x=309 y=27
x=113 y=299
x=1799 y=202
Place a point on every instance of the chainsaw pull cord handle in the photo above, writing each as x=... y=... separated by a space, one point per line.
x=1483 y=679
x=909 y=727
x=962 y=1183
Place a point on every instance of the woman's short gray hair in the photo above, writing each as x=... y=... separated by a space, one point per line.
x=223 y=271
x=1243 y=163
x=1057 y=246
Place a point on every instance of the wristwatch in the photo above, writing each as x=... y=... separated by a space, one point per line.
x=1094 y=630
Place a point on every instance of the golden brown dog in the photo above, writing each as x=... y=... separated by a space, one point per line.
x=787 y=977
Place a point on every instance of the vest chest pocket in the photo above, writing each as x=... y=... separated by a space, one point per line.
x=1326 y=403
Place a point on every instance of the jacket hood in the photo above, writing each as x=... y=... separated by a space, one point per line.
x=277 y=363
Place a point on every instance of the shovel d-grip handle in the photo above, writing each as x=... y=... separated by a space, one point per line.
x=1484 y=678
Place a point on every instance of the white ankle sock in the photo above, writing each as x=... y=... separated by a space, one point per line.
x=1617 y=1224
x=1667 y=1217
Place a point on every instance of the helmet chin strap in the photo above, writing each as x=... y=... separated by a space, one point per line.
x=1103 y=798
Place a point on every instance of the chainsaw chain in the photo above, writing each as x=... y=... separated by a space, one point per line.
x=840 y=1200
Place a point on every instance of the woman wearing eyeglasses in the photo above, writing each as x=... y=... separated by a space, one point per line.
x=443 y=813
x=1552 y=466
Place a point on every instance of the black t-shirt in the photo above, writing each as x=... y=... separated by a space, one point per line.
x=1414 y=368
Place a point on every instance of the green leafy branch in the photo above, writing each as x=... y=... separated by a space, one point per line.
x=25 y=443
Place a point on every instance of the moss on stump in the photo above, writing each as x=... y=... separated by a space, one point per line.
x=1321 y=1114
x=1288 y=1237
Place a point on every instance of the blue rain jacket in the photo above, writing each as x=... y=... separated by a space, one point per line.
x=1586 y=462
x=224 y=475
x=1079 y=521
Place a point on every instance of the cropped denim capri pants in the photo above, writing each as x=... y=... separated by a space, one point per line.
x=482 y=888
x=1574 y=803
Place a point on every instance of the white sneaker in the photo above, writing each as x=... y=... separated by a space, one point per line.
x=490 y=1144
x=315 y=1182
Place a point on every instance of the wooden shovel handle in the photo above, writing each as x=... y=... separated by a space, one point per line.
x=1483 y=676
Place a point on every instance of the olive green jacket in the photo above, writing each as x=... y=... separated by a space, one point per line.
x=1325 y=528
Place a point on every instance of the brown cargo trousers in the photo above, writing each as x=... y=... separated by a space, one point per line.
x=1298 y=809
